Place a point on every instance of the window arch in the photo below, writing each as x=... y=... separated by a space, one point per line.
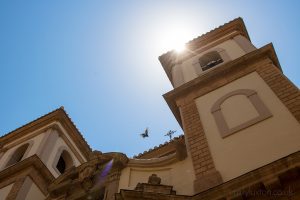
x=63 y=161
x=262 y=110
x=210 y=60
x=18 y=154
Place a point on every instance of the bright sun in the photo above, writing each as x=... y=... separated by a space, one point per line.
x=179 y=47
x=175 y=38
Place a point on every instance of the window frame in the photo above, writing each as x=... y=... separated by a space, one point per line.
x=9 y=162
x=59 y=153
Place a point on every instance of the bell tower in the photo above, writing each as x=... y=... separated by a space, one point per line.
x=237 y=109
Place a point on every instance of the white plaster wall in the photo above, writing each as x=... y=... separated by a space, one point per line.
x=180 y=175
x=188 y=67
x=257 y=145
x=5 y=191
x=71 y=141
x=59 y=143
x=36 y=142
x=34 y=193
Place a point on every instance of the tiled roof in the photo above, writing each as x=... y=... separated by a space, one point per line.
x=19 y=128
x=159 y=146
x=37 y=120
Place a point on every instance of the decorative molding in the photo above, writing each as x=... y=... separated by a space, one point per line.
x=245 y=44
x=153 y=162
x=27 y=137
x=209 y=180
x=47 y=144
x=224 y=74
x=42 y=124
x=71 y=146
x=262 y=110
x=286 y=168
x=204 y=42
x=32 y=167
x=83 y=182
x=57 y=156
x=14 y=191
x=24 y=189
x=30 y=144
x=222 y=52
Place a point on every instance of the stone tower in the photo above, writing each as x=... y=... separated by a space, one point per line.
x=237 y=109
x=34 y=155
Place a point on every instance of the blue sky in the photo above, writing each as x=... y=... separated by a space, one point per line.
x=99 y=59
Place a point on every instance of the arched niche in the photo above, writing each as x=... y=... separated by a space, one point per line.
x=252 y=96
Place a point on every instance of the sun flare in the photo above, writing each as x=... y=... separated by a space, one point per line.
x=179 y=47
x=175 y=38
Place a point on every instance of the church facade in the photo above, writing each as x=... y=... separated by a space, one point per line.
x=240 y=117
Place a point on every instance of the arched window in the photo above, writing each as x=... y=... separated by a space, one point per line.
x=64 y=162
x=210 y=60
x=18 y=154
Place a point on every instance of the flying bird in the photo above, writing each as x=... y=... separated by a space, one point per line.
x=145 y=133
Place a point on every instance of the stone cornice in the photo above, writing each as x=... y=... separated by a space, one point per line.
x=261 y=175
x=265 y=175
x=153 y=162
x=78 y=182
x=32 y=161
x=31 y=166
x=58 y=115
x=169 y=145
x=266 y=52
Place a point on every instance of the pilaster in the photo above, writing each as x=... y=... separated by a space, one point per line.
x=206 y=174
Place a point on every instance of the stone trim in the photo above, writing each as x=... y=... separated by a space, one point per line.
x=263 y=111
x=269 y=176
x=153 y=162
x=208 y=180
x=11 y=144
x=57 y=156
x=71 y=146
x=80 y=182
x=162 y=149
x=53 y=126
x=32 y=167
x=181 y=100
x=52 y=118
x=24 y=189
x=2 y=152
x=47 y=145
x=198 y=147
x=226 y=73
x=262 y=175
x=30 y=144
x=177 y=76
x=222 y=52
x=41 y=147
x=13 y=193
x=245 y=44
x=206 y=41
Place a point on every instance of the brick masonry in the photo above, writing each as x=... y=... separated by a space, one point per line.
x=197 y=142
x=203 y=164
